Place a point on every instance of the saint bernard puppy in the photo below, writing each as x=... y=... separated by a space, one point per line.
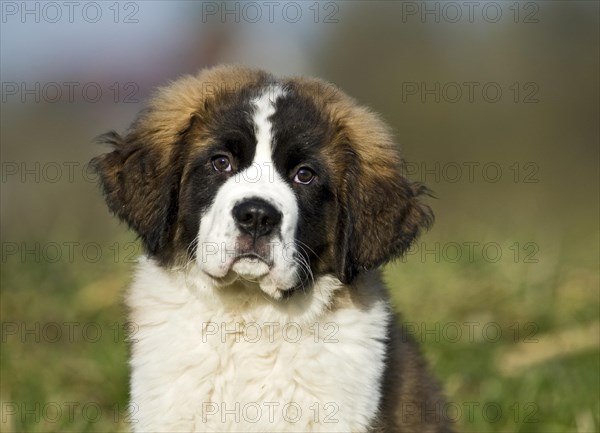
x=266 y=208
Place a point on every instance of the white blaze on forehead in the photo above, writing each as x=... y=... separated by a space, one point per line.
x=218 y=229
x=265 y=108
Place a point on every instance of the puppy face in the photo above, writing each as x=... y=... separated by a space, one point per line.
x=265 y=181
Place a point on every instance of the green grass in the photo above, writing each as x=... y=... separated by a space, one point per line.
x=541 y=373
x=493 y=383
x=72 y=381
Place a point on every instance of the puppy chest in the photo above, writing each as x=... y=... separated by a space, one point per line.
x=234 y=374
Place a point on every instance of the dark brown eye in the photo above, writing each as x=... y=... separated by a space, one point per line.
x=221 y=163
x=304 y=176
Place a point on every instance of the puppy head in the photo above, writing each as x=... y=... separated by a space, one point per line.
x=267 y=182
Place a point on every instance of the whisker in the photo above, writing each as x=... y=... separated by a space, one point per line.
x=306 y=247
x=302 y=264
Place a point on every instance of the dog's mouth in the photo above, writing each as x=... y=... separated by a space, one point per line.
x=251 y=266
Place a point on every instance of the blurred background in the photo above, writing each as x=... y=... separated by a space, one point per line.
x=495 y=105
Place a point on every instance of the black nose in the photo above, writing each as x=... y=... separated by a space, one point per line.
x=256 y=217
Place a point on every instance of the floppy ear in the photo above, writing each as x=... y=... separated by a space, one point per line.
x=140 y=182
x=380 y=215
x=379 y=212
x=141 y=176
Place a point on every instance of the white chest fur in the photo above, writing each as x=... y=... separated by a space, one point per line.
x=239 y=362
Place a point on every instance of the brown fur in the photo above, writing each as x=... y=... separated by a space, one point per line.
x=378 y=210
x=142 y=175
x=380 y=214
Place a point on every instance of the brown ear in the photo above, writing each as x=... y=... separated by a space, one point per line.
x=141 y=176
x=379 y=210
x=140 y=184
x=380 y=216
